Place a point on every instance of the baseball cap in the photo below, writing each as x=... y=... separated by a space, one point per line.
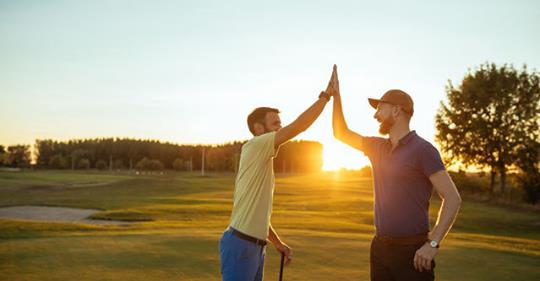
x=395 y=97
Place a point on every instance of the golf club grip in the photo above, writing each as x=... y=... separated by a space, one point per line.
x=281 y=267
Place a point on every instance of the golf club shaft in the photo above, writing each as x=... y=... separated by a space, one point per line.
x=281 y=267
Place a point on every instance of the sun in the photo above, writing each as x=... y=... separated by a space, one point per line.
x=337 y=155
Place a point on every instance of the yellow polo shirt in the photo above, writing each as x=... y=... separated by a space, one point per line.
x=254 y=187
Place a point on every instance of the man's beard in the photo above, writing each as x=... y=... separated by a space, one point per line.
x=386 y=125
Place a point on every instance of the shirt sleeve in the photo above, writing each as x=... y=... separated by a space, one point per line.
x=371 y=145
x=265 y=145
x=430 y=160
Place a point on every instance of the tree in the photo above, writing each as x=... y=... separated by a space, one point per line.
x=156 y=165
x=118 y=164
x=84 y=164
x=19 y=156
x=76 y=155
x=58 y=161
x=101 y=164
x=43 y=152
x=179 y=164
x=146 y=164
x=528 y=162
x=299 y=157
x=3 y=156
x=489 y=118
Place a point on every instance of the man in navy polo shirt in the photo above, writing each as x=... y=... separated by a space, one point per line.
x=406 y=169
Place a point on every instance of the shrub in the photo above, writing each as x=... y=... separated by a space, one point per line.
x=101 y=165
x=530 y=183
x=83 y=164
x=58 y=162
x=118 y=164
x=178 y=164
x=146 y=164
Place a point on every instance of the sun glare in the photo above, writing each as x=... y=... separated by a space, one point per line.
x=337 y=156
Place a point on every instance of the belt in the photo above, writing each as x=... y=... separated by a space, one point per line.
x=247 y=237
x=405 y=240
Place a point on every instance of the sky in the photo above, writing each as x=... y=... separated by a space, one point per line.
x=190 y=72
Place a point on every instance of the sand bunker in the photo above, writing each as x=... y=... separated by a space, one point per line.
x=54 y=214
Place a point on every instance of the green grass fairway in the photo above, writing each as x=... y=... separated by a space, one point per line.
x=179 y=217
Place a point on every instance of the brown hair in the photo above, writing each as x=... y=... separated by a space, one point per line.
x=258 y=115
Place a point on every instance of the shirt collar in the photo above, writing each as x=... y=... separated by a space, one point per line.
x=408 y=137
x=404 y=140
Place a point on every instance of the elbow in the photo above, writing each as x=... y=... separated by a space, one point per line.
x=456 y=200
x=452 y=199
x=457 y=205
x=458 y=197
x=338 y=132
x=339 y=136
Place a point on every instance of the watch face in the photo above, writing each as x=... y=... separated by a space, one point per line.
x=433 y=243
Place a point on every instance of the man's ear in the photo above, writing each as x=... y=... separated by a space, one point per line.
x=258 y=128
x=395 y=111
x=399 y=111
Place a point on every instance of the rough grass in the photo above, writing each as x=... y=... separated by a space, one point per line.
x=178 y=219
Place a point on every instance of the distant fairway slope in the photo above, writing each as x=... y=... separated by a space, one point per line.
x=177 y=219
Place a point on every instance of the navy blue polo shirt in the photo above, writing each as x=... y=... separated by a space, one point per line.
x=401 y=183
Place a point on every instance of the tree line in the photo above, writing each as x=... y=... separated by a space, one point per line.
x=153 y=155
x=491 y=121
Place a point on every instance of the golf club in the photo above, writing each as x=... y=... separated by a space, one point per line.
x=281 y=267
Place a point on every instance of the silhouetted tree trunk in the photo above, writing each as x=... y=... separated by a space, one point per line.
x=502 y=171
x=492 y=181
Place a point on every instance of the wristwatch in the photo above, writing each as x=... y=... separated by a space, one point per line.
x=325 y=95
x=433 y=244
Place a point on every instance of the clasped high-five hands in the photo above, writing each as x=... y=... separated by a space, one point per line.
x=333 y=85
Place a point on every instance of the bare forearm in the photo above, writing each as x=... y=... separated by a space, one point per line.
x=283 y=248
x=304 y=121
x=447 y=215
x=273 y=237
x=339 y=125
x=301 y=123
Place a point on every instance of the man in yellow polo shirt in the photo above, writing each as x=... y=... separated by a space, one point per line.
x=242 y=246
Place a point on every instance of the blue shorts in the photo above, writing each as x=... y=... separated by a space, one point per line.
x=241 y=260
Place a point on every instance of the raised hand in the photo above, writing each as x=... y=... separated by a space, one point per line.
x=333 y=85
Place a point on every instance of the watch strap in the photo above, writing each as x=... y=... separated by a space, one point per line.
x=325 y=95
